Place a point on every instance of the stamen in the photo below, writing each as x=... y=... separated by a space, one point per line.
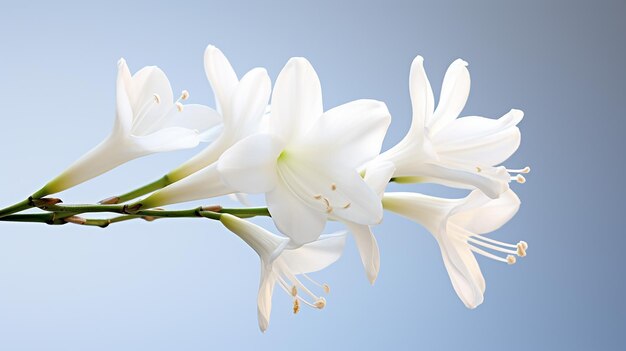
x=327 y=288
x=184 y=95
x=333 y=186
x=346 y=206
x=489 y=246
x=296 y=306
x=179 y=106
x=519 y=178
x=320 y=303
x=294 y=291
x=523 y=170
x=324 y=286
x=510 y=259
x=317 y=197
x=157 y=98
x=521 y=249
x=478 y=169
x=489 y=255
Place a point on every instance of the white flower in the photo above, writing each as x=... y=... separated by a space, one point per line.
x=457 y=152
x=459 y=226
x=241 y=104
x=282 y=266
x=148 y=120
x=306 y=163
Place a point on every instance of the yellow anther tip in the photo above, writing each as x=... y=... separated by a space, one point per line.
x=510 y=259
x=320 y=303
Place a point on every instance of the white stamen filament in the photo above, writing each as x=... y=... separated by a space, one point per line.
x=323 y=286
x=476 y=241
x=519 y=178
x=523 y=170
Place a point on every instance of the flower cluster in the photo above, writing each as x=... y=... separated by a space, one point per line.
x=314 y=166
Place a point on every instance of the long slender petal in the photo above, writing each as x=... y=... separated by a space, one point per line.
x=221 y=76
x=296 y=100
x=454 y=93
x=368 y=249
x=248 y=102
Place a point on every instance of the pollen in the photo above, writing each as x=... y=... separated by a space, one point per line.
x=333 y=187
x=179 y=107
x=510 y=259
x=157 y=98
x=326 y=288
x=184 y=95
x=296 y=306
x=294 y=291
x=320 y=303
x=521 y=249
x=478 y=169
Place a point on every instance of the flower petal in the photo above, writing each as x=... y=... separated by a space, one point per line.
x=464 y=272
x=167 y=139
x=454 y=92
x=264 y=299
x=482 y=215
x=193 y=116
x=479 y=140
x=368 y=249
x=296 y=100
x=492 y=181
x=293 y=217
x=221 y=76
x=124 y=109
x=422 y=100
x=315 y=256
x=378 y=175
x=248 y=103
x=249 y=166
x=151 y=98
x=348 y=135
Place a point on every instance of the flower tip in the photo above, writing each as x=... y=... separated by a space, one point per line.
x=461 y=62
x=121 y=62
x=418 y=59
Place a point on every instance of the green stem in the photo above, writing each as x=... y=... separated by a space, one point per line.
x=18 y=207
x=146 y=189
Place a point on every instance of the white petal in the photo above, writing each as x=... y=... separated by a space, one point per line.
x=293 y=217
x=464 y=272
x=168 y=139
x=296 y=100
x=482 y=215
x=378 y=175
x=454 y=92
x=248 y=103
x=250 y=165
x=221 y=76
x=348 y=135
x=492 y=181
x=195 y=117
x=147 y=109
x=316 y=255
x=429 y=211
x=368 y=249
x=265 y=243
x=264 y=299
x=422 y=100
x=335 y=190
x=479 y=140
x=203 y=184
x=124 y=110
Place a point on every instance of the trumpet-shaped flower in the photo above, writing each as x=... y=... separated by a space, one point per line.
x=241 y=104
x=306 y=164
x=459 y=152
x=459 y=226
x=148 y=120
x=283 y=266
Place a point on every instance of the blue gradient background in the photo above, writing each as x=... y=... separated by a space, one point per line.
x=190 y=285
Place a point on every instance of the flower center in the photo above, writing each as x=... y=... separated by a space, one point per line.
x=296 y=286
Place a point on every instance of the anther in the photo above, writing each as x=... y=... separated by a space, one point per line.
x=523 y=244
x=333 y=186
x=184 y=95
x=523 y=170
x=179 y=106
x=346 y=206
x=519 y=178
x=326 y=288
x=320 y=303
x=478 y=169
x=294 y=291
x=157 y=98
x=521 y=251
x=510 y=259
x=296 y=306
x=317 y=197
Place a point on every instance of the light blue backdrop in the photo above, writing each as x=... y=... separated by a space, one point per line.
x=190 y=285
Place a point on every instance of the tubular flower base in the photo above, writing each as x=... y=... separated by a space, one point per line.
x=311 y=166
